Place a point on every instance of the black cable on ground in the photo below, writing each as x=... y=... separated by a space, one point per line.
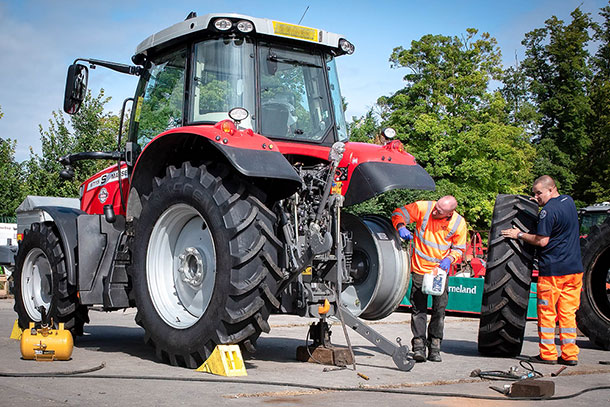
x=55 y=374
x=494 y=375
x=78 y=375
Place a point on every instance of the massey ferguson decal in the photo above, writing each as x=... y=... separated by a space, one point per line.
x=103 y=195
x=105 y=179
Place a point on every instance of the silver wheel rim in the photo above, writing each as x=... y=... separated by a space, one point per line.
x=386 y=281
x=36 y=283
x=181 y=266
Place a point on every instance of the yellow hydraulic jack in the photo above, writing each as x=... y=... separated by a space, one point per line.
x=46 y=344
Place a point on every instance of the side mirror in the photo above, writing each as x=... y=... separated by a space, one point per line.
x=67 y=173
x=76 y=88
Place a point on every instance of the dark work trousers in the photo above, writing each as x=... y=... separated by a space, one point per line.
x=419 y=301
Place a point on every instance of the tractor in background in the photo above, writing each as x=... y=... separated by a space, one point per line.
x=593 y=215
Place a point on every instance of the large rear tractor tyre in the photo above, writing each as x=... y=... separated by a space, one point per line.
x=41 y=280
x=380 y=268
x=205 y=264
x=593 y=317
x=507 y=278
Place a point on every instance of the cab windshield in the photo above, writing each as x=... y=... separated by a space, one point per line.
x=590 y=219
x=291 y=93
x=223 y=78
x=294 y=101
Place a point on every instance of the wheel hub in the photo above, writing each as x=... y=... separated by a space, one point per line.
x=192 y=267
x=36 y=283
x=379 y=268
x=360 y=267
x=181 y=266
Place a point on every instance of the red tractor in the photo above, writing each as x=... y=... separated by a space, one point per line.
x=226 y=202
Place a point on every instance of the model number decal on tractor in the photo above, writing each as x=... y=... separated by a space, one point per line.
x=295 y=31
x=107 y=179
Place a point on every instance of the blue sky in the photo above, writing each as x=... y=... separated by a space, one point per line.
x=39 y=39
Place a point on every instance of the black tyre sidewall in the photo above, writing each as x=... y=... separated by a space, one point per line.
x=246 y=249
x=593 y=317
x=64 y=305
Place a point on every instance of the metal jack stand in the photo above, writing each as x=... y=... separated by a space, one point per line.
x=398 y=351
x=322 y=351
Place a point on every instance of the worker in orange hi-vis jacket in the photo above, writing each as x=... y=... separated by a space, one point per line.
x=559 y=271
x=440 y=239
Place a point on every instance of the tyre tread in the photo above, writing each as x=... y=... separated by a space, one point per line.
x=65 y=307
x=507 y=279
x=593 y=316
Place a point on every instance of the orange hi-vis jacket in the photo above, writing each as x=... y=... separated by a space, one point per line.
x=434 y=239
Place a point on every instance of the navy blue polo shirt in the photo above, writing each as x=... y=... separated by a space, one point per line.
x=558 y=219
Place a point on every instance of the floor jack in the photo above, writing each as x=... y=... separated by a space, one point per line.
x=322 y=351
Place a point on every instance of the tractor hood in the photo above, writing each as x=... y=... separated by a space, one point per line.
x=367 y=170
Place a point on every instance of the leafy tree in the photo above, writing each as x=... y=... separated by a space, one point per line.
x=365 y=128
x=11 y=178
x=162 y=107
x=594 y=185
x=92 y=130
x=557 y=74
x=519 y=107
x=456 y=128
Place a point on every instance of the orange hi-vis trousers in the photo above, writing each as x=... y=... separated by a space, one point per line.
x=558 y=299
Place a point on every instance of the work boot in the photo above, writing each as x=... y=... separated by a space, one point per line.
x=434 y=350
x=562 y=361
x=538 y=359
x=419 y=350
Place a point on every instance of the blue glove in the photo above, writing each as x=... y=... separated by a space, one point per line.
x=445 y=263
x=404 y=233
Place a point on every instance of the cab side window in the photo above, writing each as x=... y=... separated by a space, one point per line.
x=160 y=107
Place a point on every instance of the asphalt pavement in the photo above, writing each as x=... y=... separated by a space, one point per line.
x=132 y=376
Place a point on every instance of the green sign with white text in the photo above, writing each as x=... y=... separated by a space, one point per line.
x=466 y=295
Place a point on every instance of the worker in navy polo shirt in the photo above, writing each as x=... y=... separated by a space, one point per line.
x=560 y=271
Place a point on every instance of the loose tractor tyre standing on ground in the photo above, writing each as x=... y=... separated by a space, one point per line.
x=509 y=273
x=226 y=202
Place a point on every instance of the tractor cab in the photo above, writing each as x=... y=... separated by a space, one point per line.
x=593 y=215
x=284 y=75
